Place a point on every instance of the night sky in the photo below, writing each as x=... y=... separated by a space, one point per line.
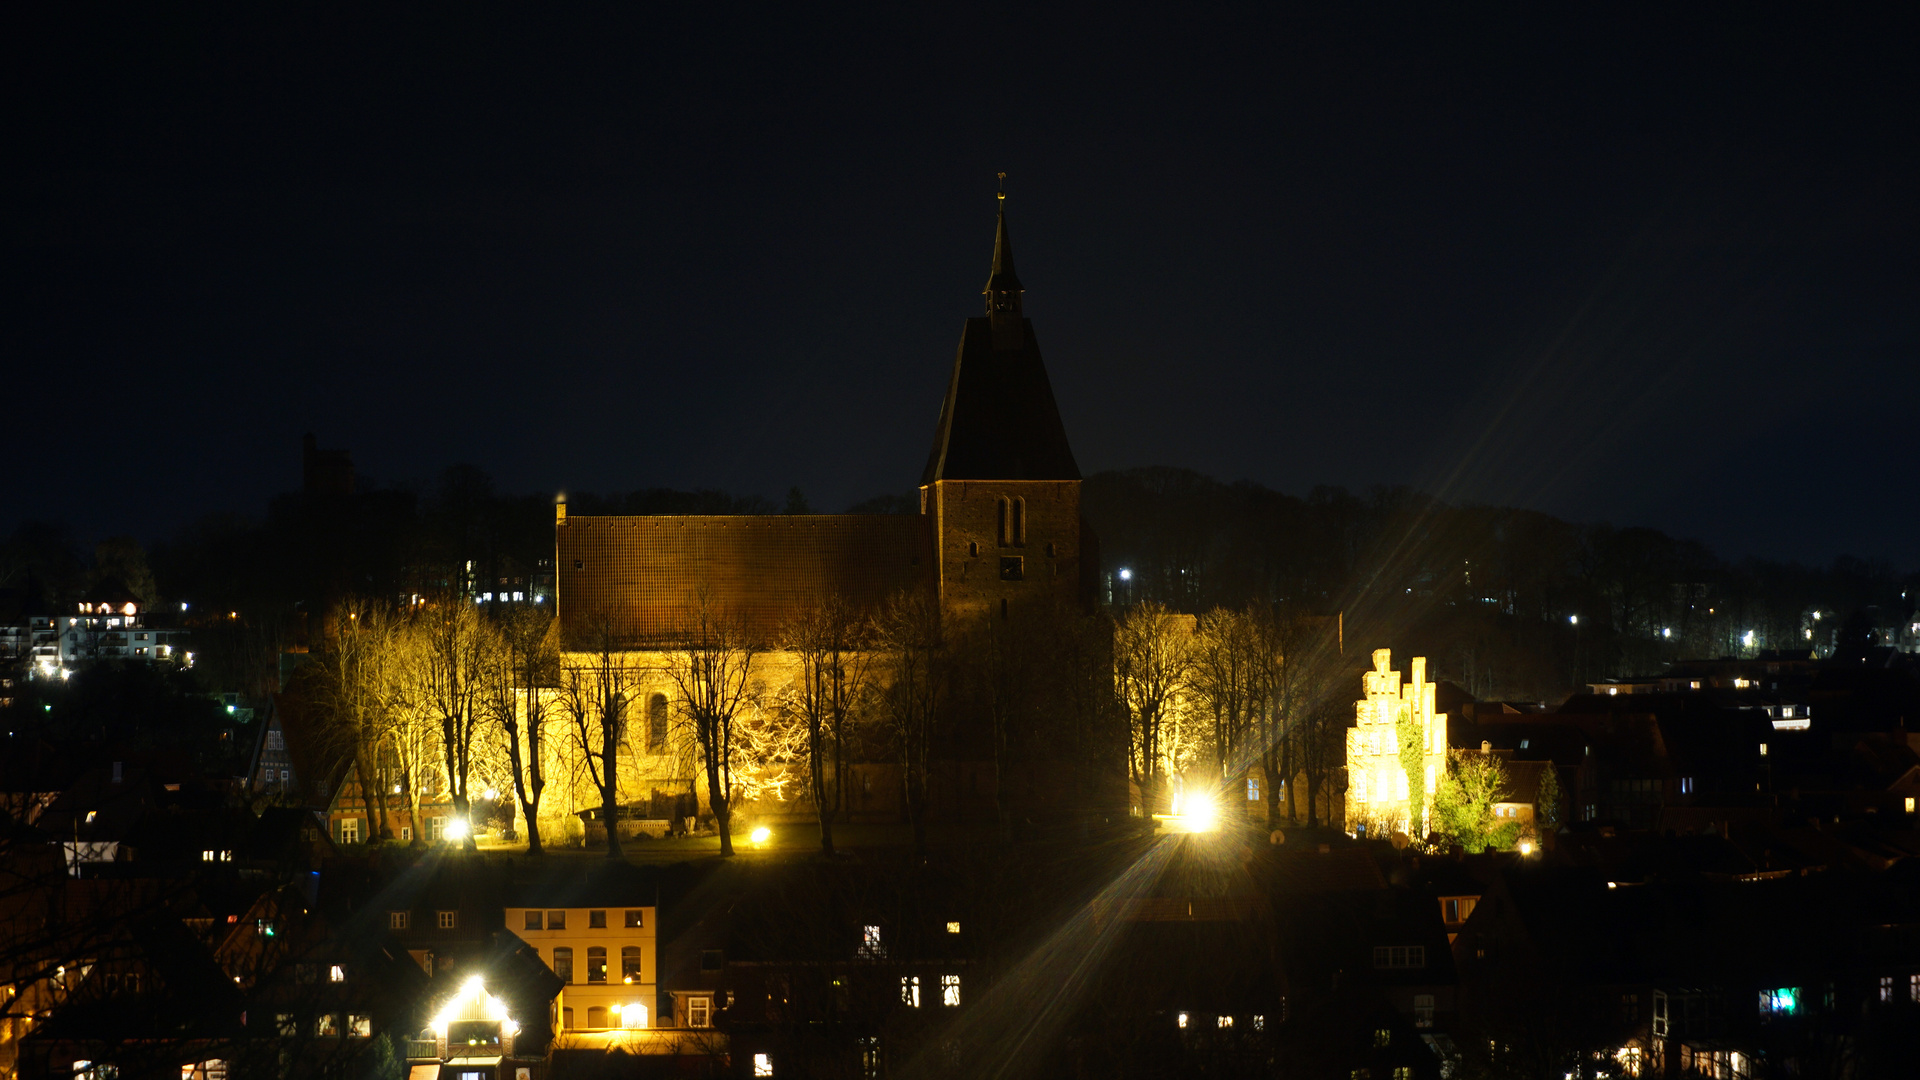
x=1653 y=267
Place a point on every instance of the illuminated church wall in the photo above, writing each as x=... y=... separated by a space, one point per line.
x=1396 y=752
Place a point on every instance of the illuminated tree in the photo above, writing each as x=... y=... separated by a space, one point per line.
x=356 y=679
x=711 y=664
x=1153 y=661
x=1228 y=681
x=456 y=648
x=1463 y=808
x=526 y=664
x=828 y=638
x=595 y=689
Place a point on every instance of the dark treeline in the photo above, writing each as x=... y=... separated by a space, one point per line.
x=1512 y=604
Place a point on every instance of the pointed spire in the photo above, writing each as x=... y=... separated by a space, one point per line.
x=1003 y=285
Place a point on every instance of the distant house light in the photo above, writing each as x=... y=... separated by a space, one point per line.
x=1574 y=619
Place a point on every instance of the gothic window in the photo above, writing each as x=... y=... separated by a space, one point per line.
x=1006 y=522
x=657 y=723
x=1019 y=523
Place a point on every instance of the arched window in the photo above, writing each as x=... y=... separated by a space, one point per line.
x=1019 y=523
x=630 y=963
x=1006 y=521
x=597 y=1017
x=563 y=963
x=596 y=966
x=657 y=723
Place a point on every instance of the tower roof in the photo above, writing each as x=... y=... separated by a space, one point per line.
x=1002 y=278
x=999 y=420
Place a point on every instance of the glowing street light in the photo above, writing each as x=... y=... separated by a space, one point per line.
x=1574 y=619
x=760 y=835
x=457 y=829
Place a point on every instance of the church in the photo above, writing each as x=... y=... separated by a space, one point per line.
x=999 y=538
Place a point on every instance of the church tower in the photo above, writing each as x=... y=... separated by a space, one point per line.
x=1001 y=484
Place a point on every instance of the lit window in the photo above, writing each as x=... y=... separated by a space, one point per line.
x=630 y=964
x=1909 y=804
x=596 y=964
x=1763 y=749
x=1181 y=1019
x=396 y=920
x=1886 y=988
x=286 y=1025
x=446 y=920
x=949 y=990
x=763 y=1065
x=1913 y=987
x=1253 y=788
x=1223 y=1021
x=699 y=1012
x=336 y=973
x=326 y=1025
x=1403 y=1072
x=1382 y=1037
x=910 y=991
x=1423 y=1010
x=1259 y=1022
x=360 y=1026
x=871 y=947
x=563 y=964
x=954 y=927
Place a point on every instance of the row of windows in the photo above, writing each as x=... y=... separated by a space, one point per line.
x=444 y=920
x=596 y=920
x=630 y=964
x=328 y=1025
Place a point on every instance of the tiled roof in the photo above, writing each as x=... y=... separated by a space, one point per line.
x=640 y=574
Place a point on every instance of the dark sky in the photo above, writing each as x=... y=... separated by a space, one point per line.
x=1652 y=267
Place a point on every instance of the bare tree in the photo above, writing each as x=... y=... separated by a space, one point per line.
x=1152 y=660
x=355 y=675
x=828 y=637
x=595 y=688
x=457 y=645
x=911 y=639
x=528 y=665
x=1226 y=679
x=712 y=665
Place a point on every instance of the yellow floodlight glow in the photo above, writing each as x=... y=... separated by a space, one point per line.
x=472 y=1002
x=1202 y=815
x=1526 y=847
x=456 y=829
x=760 y=835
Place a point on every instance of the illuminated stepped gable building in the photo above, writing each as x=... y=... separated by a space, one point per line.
x=999 y=533
x=1394 y=716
